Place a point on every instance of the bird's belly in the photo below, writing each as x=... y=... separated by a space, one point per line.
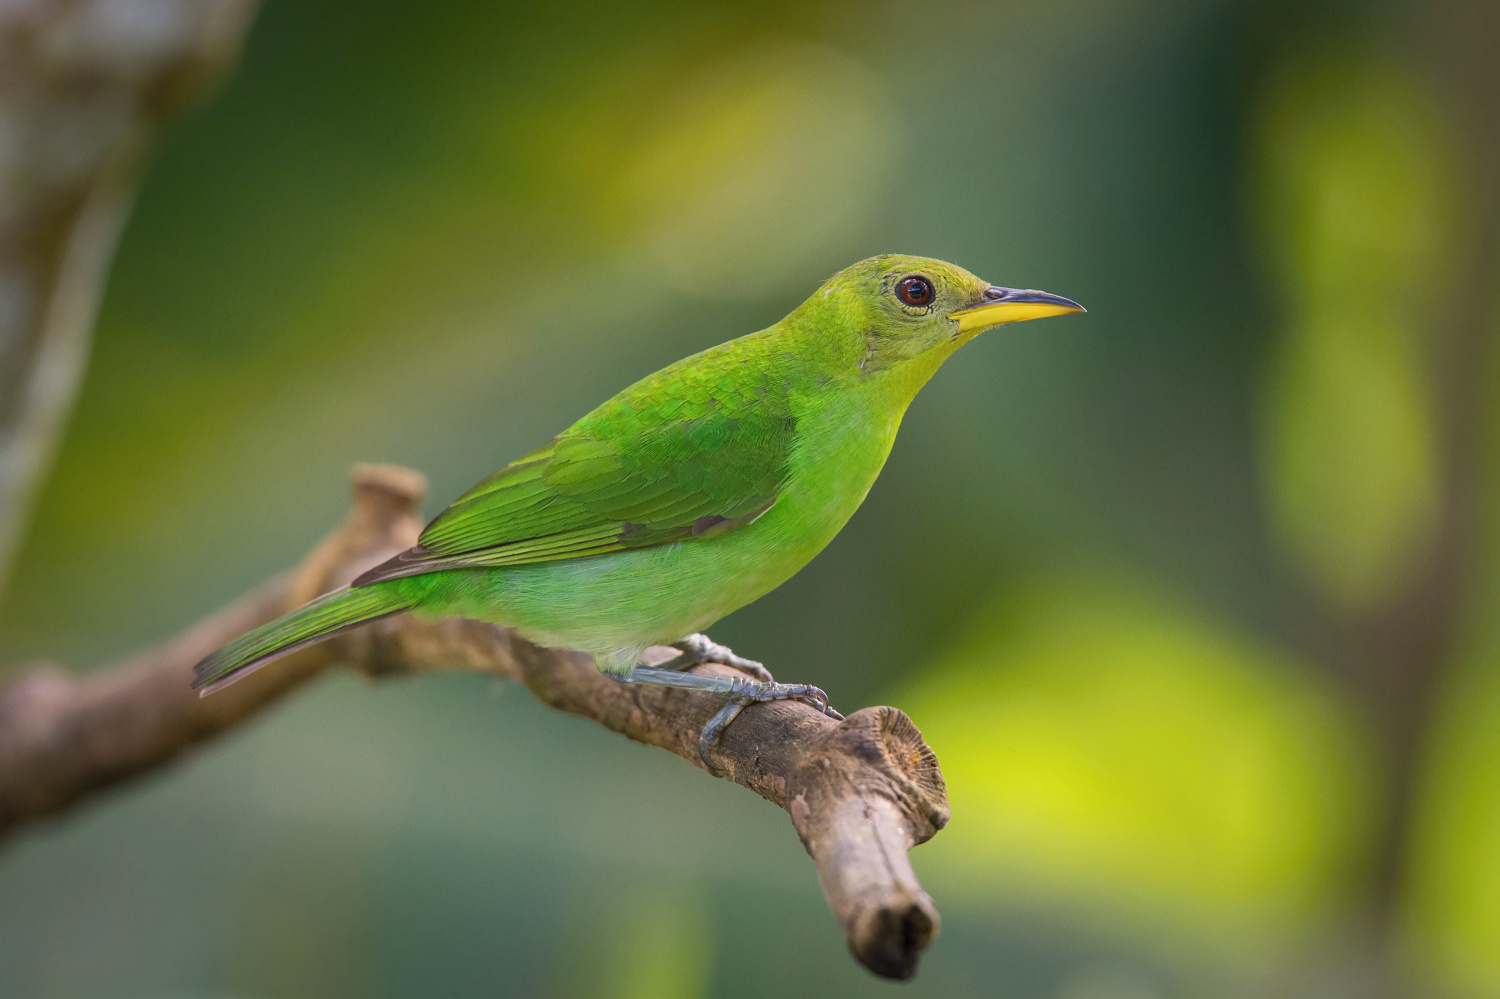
x=624 y=599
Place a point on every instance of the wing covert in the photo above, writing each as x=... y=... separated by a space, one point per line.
x=649 y=467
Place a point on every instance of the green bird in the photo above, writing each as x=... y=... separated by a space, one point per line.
x=690 y=494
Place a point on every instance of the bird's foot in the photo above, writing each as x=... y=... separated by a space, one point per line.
x=742 y=693
x=753 y=692
x=696 y=649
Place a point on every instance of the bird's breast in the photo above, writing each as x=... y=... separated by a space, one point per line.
x=840 y=451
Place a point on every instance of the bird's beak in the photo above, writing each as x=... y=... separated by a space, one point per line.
x=1012 y=305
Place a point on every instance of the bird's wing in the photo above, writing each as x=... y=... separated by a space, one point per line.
x=688 y=453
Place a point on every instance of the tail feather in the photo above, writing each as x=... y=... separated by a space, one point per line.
x=312 y=622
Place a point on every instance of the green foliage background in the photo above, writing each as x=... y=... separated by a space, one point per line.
x=436 y=233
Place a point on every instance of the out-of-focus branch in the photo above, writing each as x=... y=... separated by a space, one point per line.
x=1396 y=659
x=84 y=86
x=861 y=792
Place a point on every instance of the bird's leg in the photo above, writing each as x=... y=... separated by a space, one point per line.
x=741 y=690
x=699 y=648
x=696 y=649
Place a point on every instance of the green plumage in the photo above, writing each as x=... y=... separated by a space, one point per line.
x=689 y=494
x=312 y=622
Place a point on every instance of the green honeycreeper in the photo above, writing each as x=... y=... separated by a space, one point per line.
x=690 y=494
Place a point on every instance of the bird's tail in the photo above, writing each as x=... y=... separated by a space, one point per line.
x=312 y=622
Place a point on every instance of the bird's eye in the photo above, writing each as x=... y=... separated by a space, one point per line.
x=916 y=291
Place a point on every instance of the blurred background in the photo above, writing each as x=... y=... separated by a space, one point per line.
x=1192 y=595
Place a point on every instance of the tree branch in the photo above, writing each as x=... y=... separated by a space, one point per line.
x=861 y=792
x=84 y=86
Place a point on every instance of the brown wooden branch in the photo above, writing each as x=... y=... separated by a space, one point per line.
x=861 y=792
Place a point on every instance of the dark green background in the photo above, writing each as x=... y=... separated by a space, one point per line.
x=400 y=233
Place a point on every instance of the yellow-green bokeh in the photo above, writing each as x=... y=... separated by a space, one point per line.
x=1355 y=202
x=654 y=941
x=1106 y=746
x=436 y=234
x=1455 y=871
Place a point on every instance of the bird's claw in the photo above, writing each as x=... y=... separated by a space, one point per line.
x=742 y=691
x=699 y=648
x=747 y=692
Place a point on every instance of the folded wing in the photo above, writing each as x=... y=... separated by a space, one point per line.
x=668 y=460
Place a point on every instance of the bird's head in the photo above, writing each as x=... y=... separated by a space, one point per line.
x=909 y=307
